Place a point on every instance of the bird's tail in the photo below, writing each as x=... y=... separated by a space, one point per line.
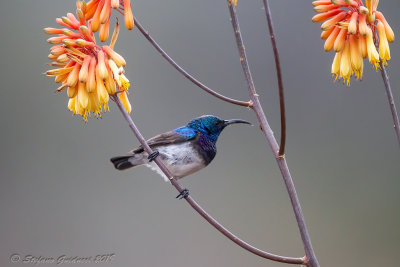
x=126 y=162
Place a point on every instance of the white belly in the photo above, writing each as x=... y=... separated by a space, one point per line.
x=181 y=160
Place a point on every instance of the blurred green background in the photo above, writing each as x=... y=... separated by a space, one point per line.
x=60 y=195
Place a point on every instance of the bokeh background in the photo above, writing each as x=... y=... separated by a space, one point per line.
x=60 y=195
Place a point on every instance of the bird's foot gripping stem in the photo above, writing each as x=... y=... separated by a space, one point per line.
x=183 y=194
x=153 y=155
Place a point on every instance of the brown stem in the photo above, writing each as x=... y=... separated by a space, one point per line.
x=196 y=206
x=279 y=76
x=389 y=94
x=312 y=259
x=185 y=73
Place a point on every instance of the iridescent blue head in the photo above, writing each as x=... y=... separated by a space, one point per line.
x=211 y=126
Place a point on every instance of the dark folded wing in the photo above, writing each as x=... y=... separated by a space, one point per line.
x=167 y=138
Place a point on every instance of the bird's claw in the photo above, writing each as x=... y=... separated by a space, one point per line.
x=183 y=194
x=153 y=155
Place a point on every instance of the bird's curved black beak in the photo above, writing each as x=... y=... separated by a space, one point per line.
x=234 y=121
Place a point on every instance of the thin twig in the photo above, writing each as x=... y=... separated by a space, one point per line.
x=194 y=204
x=389 y=94
x=279 y=76
x=185 y=73
x=312 y=259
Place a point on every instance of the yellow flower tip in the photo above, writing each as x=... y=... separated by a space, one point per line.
x=124 y=82
x=373 y=55
x=117 y=58
x=71 y=105
x=101 y=91
x=83 y=96
x=336 y=65
x=345 y=63
x=125 y=101
x=355 y=54
x=384 y=50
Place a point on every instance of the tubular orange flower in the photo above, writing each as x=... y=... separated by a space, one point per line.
x=388 y=29
x=100 y=12
x=355 y=31
x=353 y=23
x=331 y=39
x=340 y=40
x=85 y=69
x=326 y=34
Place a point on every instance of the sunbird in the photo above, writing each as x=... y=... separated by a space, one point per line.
x=185 y=150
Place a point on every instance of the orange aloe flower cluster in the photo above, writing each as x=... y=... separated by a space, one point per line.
x=354 y=31
x=100 y=12
x=88 y=72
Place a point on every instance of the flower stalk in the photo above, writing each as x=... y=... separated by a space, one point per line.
x=279 y=77
x=310 y=255
x=389 y=94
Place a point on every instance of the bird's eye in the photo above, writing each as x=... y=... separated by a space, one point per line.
x=219 y=123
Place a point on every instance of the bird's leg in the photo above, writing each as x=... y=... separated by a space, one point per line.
x=183 y=194
x=153 y=155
